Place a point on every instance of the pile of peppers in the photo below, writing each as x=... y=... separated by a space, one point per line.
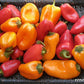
x=32 y=43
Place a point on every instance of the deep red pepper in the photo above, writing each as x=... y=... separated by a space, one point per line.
x=43 y=28
x=65 y=46
x=5 y=14
x=60 y=28
x=69 y=13
x=15 y=11
x=79 y=39
x=34 y=53
x=17 y=53
x=9 y=68
x=78 y=27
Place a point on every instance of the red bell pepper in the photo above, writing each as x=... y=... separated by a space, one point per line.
x=14 y=10
x=43 y=28
x=78 y=27
x=34 y=53
x=9 y=68
x=17 y=53
x=69 y=13
x=79 y=39
x=65 y=46
x=5 y=14
x=60 y=28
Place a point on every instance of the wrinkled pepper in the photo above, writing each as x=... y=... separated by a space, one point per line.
x=51 y=13
x=17 y=53
x=12 y=24
x=69 y=13
x=60 y=27
x=79 y=39
x=65 y=46
x=26 y=36
x=30 y=13
x=35 y=52
x=32 y=70
x=63 y=69
x=78 y=54
x=9 y=68
x=14 y=10
x=5 y=14
x=78 y=27
x=43 y=28
x=7 y=40
x=50 y=41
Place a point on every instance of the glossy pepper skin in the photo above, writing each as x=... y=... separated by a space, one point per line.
x=5 y=14
x=14 y=10
x=78 y=54
x=29 y=13
x=26 y=36
x=79 y=39
x=7 y=40
x=51 y=13
x=69 y=13
x=43 y=28
x=78 y=27
x=34 y=53
x=50 y=41
x=63 y=69
x=17 y=53
x=32 y=70
x=12 y=24
x=60 y=28
x=9 y=68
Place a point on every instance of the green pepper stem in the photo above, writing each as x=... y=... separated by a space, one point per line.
x=1 y=72
x=40 y=42
x=66 y=22
x=18 y=23
x=65 y=54
x=79 y=49
x=78 y=67
x=50 y=33
x=54 y=2
x=43 y=51
x=8 y=49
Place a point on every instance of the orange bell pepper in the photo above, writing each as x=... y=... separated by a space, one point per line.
x=32 y=70
x=7 y=40
x=12 y=24
x=50 y=41
x=51 y=13
x=63 y=69
x=29 y=13
x=78 y=54
x=26 y=36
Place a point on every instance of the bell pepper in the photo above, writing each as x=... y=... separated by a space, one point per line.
x=7 y=40
x=78 y=27
x=32 y=70
x=78 y=54
x=14 y=10
x=65 y=46
x=51 y=13
x=60 y=27
x=63 y=69
x=69 y=13
x=29 y=13
x=79 y=39
x=9 y=68
x=34 y=53
x=50 y=41
x=1 y=33
x=17 y=53
x=26 y=36
x=43 y=28
x=12 y=24
x=5 y=14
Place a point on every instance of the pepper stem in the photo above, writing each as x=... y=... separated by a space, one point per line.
x=65 y=54
x=39 y=68
x=43 y=51
x=54 y=2
x=9 y=49
x=1 y=72
x=78 y=67
x=50 y=33
x=79 y=49
x=18 y=23
x=66 y=22
x=40 y=42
